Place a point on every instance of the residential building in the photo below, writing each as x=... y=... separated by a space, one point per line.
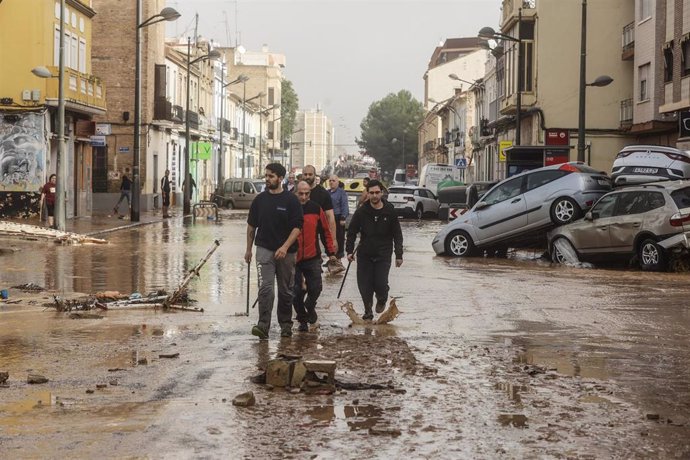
x=28 y=104
x=313 y=141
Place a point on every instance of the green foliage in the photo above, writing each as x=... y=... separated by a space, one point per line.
x=389 y=122
x=289 y=103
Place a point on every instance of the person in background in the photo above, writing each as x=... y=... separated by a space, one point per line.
x=165 y=190
x=309 y=258
x=341 y=211
x=48 y=197
x=290 y=184
x=365 y=195
x=274 y=223
x=321 y=196
x=125 y=191
x=380 y=234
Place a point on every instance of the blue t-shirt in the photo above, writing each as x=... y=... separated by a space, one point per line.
x=274 y=215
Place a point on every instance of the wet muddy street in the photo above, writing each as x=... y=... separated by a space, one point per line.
x=490 y=358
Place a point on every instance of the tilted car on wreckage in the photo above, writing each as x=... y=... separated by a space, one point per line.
x=520 y=209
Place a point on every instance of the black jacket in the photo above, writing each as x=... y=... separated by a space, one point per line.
x=379 y=229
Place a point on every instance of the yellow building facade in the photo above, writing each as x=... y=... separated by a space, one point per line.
x=30 y=39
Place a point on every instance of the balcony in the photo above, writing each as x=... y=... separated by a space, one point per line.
x=193 y=119
x=511 y=9
x=83 y=92
x=164 y=110
x=626 y=113
x=628 y=38
x=225 y=125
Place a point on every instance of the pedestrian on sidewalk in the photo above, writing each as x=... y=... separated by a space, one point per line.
x=377 y=224
x=308 y=267
x=165 y=190
x=274 y=223
x=125 y=191
x=341 y=211
x=48 y=197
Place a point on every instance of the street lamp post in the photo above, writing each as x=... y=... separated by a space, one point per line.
x=166 y=14
x=488 y=33
x=186 y=208
x=602 y=80
x=244 y=123
x=240 y=79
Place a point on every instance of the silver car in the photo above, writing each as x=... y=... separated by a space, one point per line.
x=640 y=220
x=519 y=209
x=637 y=164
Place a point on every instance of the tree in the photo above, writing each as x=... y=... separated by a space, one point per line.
x=289 y=103
x=389 y=123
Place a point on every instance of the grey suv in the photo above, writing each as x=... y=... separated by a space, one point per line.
x=632 y=221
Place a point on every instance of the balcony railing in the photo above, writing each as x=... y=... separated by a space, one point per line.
x=626 y=114
x=628 y=42
x=80 y=88
x=225 y=125
x=193 y=119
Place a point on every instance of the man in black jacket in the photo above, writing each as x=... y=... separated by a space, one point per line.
x=379 y=229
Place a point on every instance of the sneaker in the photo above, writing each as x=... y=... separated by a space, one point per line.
x=259 y=332
x=303 y=327
x=380 y=306
x=312 y=317
x=286 y=332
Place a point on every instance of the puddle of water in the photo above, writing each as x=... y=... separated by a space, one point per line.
x=356 y=417
x=593 y=399
x=516 y=420
x=575 y=366
x=513 y=391
x=33 y=401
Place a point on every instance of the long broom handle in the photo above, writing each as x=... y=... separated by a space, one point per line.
x=349 y=262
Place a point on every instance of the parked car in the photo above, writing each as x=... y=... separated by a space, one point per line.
x=413 y=201
x=476 y=190
x=399 y=177
x=520 y=209
x=642 y=220
x=637 y=164
x=237 y=193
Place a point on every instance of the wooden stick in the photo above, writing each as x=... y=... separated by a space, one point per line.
x=175 y=296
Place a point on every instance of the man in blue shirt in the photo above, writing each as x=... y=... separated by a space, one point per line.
x=341 y=211
x=274 y=223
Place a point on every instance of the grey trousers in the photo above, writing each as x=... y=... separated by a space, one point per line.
x=284 y=272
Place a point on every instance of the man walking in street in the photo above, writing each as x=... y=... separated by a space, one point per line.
x=341 y=211
x=274 y=223
x=290 y=184
x=309 y=258
x=323 y=199
x=379 y=229
x=125 y=191
x=165 y=190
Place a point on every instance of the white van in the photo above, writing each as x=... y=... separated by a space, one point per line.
x=399 y=177
x=433 y=173
x=636 y=164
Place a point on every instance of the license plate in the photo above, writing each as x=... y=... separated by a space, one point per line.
x=646 y=170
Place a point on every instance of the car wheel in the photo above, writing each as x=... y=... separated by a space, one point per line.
x=459 y=244
x=229 y=205
x=557 y=256
x=419 y=212
x=652 y=256
x=564 y=210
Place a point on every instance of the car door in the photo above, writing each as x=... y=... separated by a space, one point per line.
x=539 y=192
x=502 y=212
x=236 y=193
x=592 y=236
x=430 y=201
x=630 y=212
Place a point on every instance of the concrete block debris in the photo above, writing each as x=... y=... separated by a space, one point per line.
x=244 y=400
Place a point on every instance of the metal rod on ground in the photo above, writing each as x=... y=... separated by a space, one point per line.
x=175 y=296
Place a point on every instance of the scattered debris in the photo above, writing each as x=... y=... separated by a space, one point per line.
x=81 y=315
x=169 y=355
x=36 y=379
x=393 y=432
x=100 y=386
x=386 y=317
x=89 y=391
x=175 y=296
x=652 y=416
x=244 y=400
x=4 y=376
x=27 y=231
x=29 y=287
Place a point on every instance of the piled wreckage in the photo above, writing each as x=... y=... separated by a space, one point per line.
x=33 y=231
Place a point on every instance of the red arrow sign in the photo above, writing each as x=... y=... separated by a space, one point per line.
x=453 y=213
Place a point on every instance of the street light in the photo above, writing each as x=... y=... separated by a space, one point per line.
x=603 y=80
x=241 y=79
x=487 y=33
x=453 y=76
x=166 y=14
x=261 y=131
x=244 y=123
x=61 y=163
x=213 y=54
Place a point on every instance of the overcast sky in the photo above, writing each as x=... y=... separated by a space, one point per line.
x=341 y=54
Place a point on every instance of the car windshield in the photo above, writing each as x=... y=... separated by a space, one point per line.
x=401 y=191
x=682 y=197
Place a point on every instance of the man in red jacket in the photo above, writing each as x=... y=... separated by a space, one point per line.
x=309 y=258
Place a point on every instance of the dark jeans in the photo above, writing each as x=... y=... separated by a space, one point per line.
x=311 y=270
x=372 y=278
x=340 y=237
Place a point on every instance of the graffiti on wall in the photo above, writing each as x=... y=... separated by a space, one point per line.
x=23 y=146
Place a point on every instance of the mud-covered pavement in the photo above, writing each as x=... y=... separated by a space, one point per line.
x=489 y=358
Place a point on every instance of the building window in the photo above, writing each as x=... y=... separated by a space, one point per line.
x=644 y=8
x=668 y=62
x=82 y=55
x=685 y=57
x=74 y=53
x=271 y=96
x=56 y=46
x=644 y=78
